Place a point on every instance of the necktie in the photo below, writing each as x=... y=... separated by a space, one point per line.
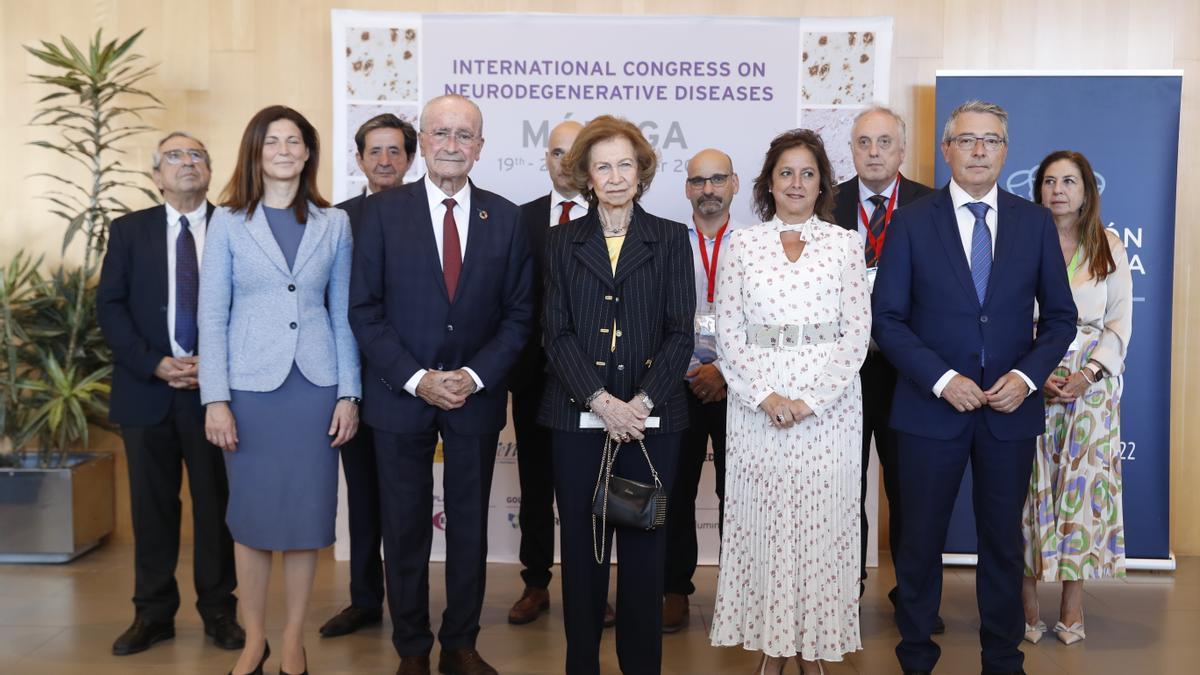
x=875 y=226
x=566 y=212
x=981 y=250
x=187 y=287
x=451 y=249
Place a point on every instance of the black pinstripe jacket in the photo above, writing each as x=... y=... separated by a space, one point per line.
x=652 y=297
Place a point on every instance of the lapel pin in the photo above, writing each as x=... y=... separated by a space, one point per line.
x=483 y=215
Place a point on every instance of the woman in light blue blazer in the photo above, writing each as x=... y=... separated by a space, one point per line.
x=279 y=372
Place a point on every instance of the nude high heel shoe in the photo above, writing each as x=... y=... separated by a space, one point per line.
x=1069 y=635
x=1034 y=633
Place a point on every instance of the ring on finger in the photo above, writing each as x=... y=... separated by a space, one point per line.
x=779 y=417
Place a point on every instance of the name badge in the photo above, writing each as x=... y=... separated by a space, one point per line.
x=871 y=278
x=590 y=420
x=706 y=325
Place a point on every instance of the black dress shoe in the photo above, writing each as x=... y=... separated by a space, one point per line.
x=225 y=631
x=349 y=620
x=1004 y=672
x=141 y=635
x=258 y=670
x=939 y=626
x=918 y=672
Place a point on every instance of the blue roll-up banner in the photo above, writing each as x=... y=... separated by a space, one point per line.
x=1127 y=124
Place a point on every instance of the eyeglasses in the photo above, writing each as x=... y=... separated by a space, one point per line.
x=176 y=156
x=717 y=180
x=883 y=142
x=442 y=136
x=967 y=142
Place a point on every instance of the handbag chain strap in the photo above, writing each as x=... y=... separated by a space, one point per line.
x=608 y=459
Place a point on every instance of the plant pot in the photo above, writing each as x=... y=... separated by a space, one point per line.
x=55 y=515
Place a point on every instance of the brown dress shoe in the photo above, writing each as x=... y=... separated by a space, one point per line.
x=675 y=612
x=533 y=602
x=610 y=615
x=413 y=665
x=464 y=662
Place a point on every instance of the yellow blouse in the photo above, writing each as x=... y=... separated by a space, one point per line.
x=614 y=245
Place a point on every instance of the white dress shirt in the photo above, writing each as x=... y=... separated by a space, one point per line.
x=966 y=231
x=579 y=209
x=197 y=223
x=864 y=200
x=462 y=221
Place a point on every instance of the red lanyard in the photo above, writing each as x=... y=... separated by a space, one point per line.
x=711 y=270
x=877 y=242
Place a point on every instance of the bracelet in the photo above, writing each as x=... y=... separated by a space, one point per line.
x=353 y=399
x=1085 y=372
x=595 y=395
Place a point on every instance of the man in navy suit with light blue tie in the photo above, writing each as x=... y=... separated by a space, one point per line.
x=441 y=302
x=954 y=311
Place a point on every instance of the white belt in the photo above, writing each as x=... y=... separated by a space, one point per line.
x=792 y=336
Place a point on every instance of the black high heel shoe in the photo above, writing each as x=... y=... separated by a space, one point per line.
x=284 y=672
x=261 y=662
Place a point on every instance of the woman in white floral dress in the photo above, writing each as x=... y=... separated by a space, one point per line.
x=793 y=324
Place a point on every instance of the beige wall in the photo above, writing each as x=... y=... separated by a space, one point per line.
x=221 y=60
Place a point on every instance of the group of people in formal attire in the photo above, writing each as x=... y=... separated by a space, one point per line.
x=256 y=340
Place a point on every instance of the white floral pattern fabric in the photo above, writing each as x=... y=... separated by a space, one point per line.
x=789 y=576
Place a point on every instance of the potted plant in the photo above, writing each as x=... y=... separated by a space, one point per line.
x=56 y=498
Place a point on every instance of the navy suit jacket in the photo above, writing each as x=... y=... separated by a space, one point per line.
x=403 y=318
x=131 y=308
x=530 y=371
x=928 y=319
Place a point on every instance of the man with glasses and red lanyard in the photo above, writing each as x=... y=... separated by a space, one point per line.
x=710 y=186
x=866 y=203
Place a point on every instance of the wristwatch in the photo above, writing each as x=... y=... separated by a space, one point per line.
x=647 y=401
x=353 y=399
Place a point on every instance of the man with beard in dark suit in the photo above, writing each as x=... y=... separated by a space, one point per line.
x=866 y=203
x=386 y=145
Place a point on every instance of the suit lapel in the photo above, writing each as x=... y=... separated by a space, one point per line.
x=637 y=250
x=260 y=231
x=591 y=250
x=423 y=236
x=847 y=203
x=1005 y=239
x=947 y=228
x=156 y=240
x=208 y=213
x=478 y=235
x=314 y=234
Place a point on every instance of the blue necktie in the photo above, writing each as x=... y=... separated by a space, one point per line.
x=187 y=287
x=981 y=250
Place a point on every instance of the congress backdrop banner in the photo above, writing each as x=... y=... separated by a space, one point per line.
x=1127 y=124
x=688 y=82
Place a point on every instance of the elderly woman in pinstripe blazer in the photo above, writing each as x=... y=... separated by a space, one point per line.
x=617 y=321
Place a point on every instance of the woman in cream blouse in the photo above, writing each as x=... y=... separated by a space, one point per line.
x=1073 y=523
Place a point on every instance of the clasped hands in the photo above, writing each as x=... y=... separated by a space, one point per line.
x=623 y=420
x=1005 y=395
x=446 y=389
x=707 y=383
x=1059 y=389
x=784 y=412
x=179 y=372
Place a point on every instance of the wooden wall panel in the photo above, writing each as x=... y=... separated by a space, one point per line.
x=221 y=60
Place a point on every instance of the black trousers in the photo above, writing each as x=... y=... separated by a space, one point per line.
x=535 y=469
x=640 y=569
x=366 y=526
x=405 y=463
x=156 y=456
x=705 y=421
x=878 y=384
x=931 y=475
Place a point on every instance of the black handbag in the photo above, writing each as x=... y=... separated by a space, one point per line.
x=623 y=502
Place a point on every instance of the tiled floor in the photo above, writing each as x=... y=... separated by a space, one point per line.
x=61 y=620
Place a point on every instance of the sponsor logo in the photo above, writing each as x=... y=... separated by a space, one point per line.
x=1020 y=183
x=512 y=520
x=439 y=520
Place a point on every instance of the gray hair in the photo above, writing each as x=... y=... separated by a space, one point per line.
x=156 y=158
x=977 y=106
x=886 y=111
x=450 y=97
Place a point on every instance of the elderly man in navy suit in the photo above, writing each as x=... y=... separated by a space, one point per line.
x=441 y=304
x=146 y=306
x=954 y=305
x=386 y=145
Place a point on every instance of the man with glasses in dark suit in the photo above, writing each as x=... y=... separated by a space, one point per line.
x=146 y=306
